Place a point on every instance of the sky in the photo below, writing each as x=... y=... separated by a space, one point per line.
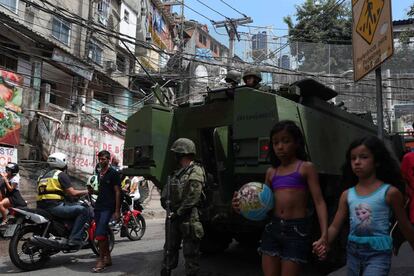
x=263 y=13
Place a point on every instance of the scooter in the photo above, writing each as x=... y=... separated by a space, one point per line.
x=36 y=235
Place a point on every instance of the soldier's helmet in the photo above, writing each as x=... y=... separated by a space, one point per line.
x=233 y=76
x=252 y=72
x=183 y=146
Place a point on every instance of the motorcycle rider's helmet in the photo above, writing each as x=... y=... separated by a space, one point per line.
x=183 y=146
x=57 y=160
x=13 y=168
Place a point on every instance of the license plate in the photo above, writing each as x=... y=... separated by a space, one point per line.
x=10 y=230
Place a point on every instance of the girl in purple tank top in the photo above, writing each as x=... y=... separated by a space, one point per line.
x=285 y=243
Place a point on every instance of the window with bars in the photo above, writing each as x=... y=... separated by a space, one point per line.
x=10 y=4
x=126 y=16
x=95 y=53
x=121 y=64
x=202 y=39
x=103 y=11
x=61 y=30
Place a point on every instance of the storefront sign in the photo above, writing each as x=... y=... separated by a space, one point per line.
x=7 y=155
x=82 y=144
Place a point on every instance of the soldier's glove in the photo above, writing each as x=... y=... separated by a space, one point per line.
x=174 y=216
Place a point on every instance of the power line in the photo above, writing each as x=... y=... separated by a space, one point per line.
x=162 y=51
x=200 y=14
x=231 y=7
x=207 y=6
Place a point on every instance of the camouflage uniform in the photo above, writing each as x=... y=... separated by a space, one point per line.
x=185 y=190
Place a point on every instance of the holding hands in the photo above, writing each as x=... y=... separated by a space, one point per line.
x=320 y=248
x=235 y=202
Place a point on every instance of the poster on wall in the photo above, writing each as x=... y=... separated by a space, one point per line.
x=113 y=125
x=11 y=92
x=81 y=144
x=7 y=155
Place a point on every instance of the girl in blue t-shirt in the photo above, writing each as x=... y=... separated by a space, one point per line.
x=375 y=181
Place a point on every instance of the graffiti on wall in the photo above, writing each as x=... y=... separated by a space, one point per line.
x=81 y=144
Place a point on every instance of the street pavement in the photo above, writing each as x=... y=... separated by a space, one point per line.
x=143 y=258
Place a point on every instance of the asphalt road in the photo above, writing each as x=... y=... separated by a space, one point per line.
x=144 y=258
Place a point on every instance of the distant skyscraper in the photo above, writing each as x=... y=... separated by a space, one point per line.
x=284 y=62
x=259 y=46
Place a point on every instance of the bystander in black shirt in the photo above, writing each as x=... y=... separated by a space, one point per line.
x=106 y=192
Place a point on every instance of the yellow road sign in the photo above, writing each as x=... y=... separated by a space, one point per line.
x=372 y=37
x=369 y=19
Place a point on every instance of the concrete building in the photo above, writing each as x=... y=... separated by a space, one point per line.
x=71 y=53
x=200 y=43
x=401 y=27
x=259 y=46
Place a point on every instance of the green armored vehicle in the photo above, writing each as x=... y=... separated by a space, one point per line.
x=231 y=131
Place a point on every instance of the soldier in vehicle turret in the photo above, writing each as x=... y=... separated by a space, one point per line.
x=232 y=78
x=252 y=78
x=181 y=197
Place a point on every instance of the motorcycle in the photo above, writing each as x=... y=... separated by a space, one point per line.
x=36 y=235
x=132 y=223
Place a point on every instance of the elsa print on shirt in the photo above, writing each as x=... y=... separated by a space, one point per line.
x=363 y=213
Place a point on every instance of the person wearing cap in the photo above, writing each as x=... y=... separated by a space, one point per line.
x=12 y=196
x=183 y=191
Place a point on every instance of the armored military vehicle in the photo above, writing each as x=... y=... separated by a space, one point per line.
x=231 y=131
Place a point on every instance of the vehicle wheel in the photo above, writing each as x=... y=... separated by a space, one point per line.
x=95 y=246
x=23 y=253
x=136 y=230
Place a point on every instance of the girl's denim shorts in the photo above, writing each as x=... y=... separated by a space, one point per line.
x=287 y=239
x=363 y=260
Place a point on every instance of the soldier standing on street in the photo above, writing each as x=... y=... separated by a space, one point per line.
x=252 y=78
x=181 y=198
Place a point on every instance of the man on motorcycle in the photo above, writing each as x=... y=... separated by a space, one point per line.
x=53 y=188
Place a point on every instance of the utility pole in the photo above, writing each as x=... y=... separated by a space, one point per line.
x=231 y=27
x=388 y=101
x=179 y=43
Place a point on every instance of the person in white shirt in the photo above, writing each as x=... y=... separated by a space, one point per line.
x=134 y=188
